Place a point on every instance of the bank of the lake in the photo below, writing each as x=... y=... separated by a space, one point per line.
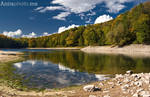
x=127 y=85
x=9 y=56
x=136 y=50
x=60 y=48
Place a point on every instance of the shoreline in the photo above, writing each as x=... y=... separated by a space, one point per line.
x=126 y=85
x=134 y=50
x=7 y=56
x=59 y=48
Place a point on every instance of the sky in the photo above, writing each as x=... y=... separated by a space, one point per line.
x=32 y=18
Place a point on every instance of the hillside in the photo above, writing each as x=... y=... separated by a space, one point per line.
x=131 y=27
x=7 y=42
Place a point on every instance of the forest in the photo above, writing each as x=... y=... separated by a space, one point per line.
x=131 y=27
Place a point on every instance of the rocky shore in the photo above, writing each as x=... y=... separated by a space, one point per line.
x=127 y=85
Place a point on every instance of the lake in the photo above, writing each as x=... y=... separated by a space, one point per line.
x=61 y=68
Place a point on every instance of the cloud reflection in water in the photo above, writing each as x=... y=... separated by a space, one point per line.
x=45 y=74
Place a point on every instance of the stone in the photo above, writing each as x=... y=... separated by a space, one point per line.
x=136 y=95
x=119 y=76
x=125 y=87
x=92 y=96
x=139 y=90
x=106 y=96
x=101 y=84
x=105 y=91
x=110 y=83
x=139 y=83
x=91 y=88
x=126 y=80
x=129 y=72
x=145 y=93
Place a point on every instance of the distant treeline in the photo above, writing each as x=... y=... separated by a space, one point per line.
x=131 y=27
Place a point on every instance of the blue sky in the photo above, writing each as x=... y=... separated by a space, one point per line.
x=34 y=17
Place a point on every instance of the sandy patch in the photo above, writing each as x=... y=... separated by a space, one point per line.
x=9 y=56
x=130 y=50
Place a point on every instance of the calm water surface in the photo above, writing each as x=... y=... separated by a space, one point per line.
x=61 y=68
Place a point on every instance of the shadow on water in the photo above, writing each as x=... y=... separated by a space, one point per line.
x=57 y=69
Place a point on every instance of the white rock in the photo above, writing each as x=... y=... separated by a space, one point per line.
x=106 y=96
x=89 y=88
x=129 y=72
x=135 y=95
x=101 y=84
x=92 y=96
x=125 y=87
x=105 y=91
x=139 y=83
x=119 y=76
x=145 y=93
x=110 y=83
x=126 y=80
x=139 y=90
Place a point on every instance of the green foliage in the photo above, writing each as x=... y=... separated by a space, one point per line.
x=6 y=42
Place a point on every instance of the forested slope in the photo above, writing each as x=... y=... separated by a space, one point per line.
x=130 y=27
x=7 y=42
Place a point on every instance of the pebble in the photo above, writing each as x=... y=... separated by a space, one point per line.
x=101 y=84
x=136 y=95
x=145 y=93
x=105 y=91
x=91 y=88
x=92 y=96
x=125 y=87
x=106 y=96
x=129 y=72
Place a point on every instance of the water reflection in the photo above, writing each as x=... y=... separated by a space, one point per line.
x=44 y=74
x=56 y=69
x=94 y=63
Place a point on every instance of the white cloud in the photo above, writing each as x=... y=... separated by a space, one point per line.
x=88 y=21
x=114 y=7
x=91 y=14
x=82 y=6
x=45 y=33
x=61 y=16
x=38 y=8
x=103 y=18
x=30 y=35
x=77 y=6
x=62 y=29
x=51 y=8
x=13 y=34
